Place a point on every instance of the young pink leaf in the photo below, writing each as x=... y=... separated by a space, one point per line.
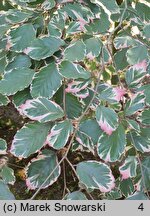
x=119 y=93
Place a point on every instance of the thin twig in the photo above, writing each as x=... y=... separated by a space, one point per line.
x=76 y=129
x=64 y=97
x=141 y=169
x=65 y=183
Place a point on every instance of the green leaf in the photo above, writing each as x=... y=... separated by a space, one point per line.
x=128 y=168
x=5 y=193
x=127 y=187
x=146 y=31
x=145 y=117
x=59 y=134
x=110 y=148
x=106 y=93
x=107 y=119
x=145 y=166
x=20 y=61
x=99 y=26
x=42 y=48
x=92 y=129
x=123 y=42
x=136 y=103
x=138 y=195
x=76 y=195
x=48 y=4
x=29 y=139
x=20 y=97
x=84 y=140
x=121 y=59
x=46 y=82
x=4 y=100
x=16 y=80
x=14 y=16
x=53 y=30
x=7 y=174
x=75 y=51
x=93 y=47
x=143 y=11
x=146 y=89
x=40 y=168
x=3 y=146
x=21 y=37
x=134 y=77
x=42 y=110
x=96 y=175
x=140 y=142
x=133 y=124
x=73 y=107
x=3 y=61
x=112 y=6
x=137 y=54
x=73 y=71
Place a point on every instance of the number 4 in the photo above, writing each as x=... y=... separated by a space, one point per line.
x=141 y=207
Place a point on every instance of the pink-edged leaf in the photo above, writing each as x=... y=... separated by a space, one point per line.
x=40 y=168
x=42 y=110
x=128 y=168
x=107 y=119
x=59 y=134
x=96 y=175
x=110 y=148
x=29 y=139
x=119 y=93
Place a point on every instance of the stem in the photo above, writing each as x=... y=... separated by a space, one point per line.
x=65 y=184
x=64 y=97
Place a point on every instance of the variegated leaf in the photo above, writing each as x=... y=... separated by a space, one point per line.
x=145 y=117
x=29 y=139
x=128 y=168
x=73 y=71
x=3 y=146
x=124 y=42
x=137 y=54
x=76 y=195
x=9 y=86
x=21 y=37
x=41 y=48
x=96 y=175
x=4 y=100
x=7 y=174
x=84 y=140
x=127 y=187
x=111 y=147
x=42 y=110
x=40 y=168
x=134 y=77
x=135 y=104
x=107 y=119
x=59 y=134
x=140 y=141
x=78 y=88
x=5 y=193
x=46 y=82
x=75 y=51
x=93 y=47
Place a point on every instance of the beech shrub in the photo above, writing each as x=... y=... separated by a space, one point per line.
x=78 y=72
